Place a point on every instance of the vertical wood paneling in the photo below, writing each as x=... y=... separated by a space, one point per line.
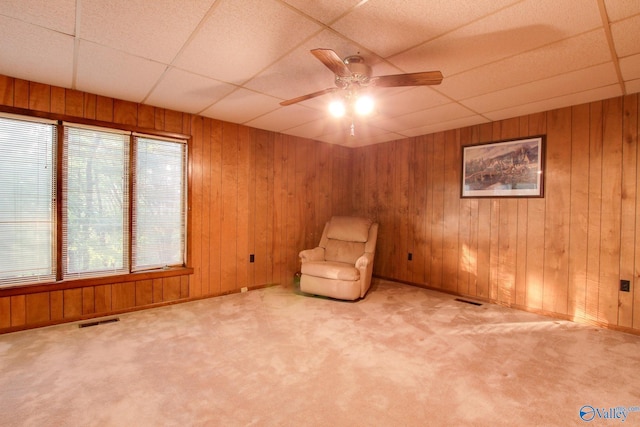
x=451 y=211
x=611 y=212
x=628 y=206
x=214 y=209
x=58 y=100
x=437 y=213
x=204 y=215
x=37 y=308
x=5 y=312
x=102 y=295
x=6 y=90
x=144 y=292
x=403 y=155
x=196 y=209
x=88 y=300
x=229 y=200
x=74 y=103
x=556 y=229
x=171 y=288
x=295 y=232
x=262 y=208
x=419 y=208
x=18 y=310
x=579 y=206
x=56 y=301
x=595 y=214
x=242 y=224
x=39 y=96
x=21 y=93
x=72 y=303
x=125 y=112
x=146 y=116
x=508 y=231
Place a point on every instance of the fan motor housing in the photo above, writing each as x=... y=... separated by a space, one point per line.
x=360 y=72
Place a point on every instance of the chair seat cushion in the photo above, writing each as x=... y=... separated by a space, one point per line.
x=331 y=270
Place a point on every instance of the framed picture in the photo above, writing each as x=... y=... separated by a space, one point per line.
x=504 y=169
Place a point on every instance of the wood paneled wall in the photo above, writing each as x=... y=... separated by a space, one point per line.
x=251 y=192
x=563 y=254
x=258 y=193
x=267 y=194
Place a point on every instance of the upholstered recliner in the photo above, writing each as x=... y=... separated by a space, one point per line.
x=342 y=264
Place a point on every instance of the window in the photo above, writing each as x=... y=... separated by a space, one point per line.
x=104 y=229
x=27 y=202
x=95 y=202
x=159 y=211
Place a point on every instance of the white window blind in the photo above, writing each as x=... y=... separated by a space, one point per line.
x=95 y=213
x=159 y=208
x=27 y=201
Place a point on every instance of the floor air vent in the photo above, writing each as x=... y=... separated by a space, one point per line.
x=468 y=302
x=99 y=322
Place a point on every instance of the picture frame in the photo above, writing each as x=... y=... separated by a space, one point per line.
x=510 y=168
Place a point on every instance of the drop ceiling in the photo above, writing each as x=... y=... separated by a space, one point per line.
x=236 y=60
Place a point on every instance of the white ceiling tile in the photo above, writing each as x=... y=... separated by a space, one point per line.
x=324 y=11
x=285 y=118
x=242 y=106
x=564 y=84
x=632 y=86
x=564 y=56
x=243 y=37
x=315 y=129
x=620 y=9
x=510 y=31
x=446 y=125
x=183 y=91
x=35 y=53
x=109 y=72
x=388 y=27
x=299 y=72
x=437 y=114
x=139 y=27
x=408 y=101
x=626 y=36
x=236 y=60
x=630 y=67
x=558 y=102
x=56 y=15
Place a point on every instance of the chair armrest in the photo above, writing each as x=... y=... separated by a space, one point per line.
x=315 y=254
x=364 y=260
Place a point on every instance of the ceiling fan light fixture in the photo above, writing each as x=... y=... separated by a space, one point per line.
x=364 y=105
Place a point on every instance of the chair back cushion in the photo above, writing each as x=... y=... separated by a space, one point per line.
x=349 y=229
x=341 y=251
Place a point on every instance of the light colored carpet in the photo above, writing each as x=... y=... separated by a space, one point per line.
x=403 y=356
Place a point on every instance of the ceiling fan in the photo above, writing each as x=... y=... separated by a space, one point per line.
x=353 y=73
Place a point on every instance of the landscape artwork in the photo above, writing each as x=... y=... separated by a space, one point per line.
x=503 y=169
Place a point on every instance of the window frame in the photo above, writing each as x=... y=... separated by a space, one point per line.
x=64 y=283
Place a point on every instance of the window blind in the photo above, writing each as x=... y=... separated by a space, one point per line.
x=27 y=201
x=95 y=197
x=159 y=208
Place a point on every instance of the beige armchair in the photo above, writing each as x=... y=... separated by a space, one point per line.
x=342 y=264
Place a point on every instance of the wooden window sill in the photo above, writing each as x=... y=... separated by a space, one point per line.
x=94 y=281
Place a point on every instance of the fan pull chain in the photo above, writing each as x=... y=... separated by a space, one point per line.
x=353 y=129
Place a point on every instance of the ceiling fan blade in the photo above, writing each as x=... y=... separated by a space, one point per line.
x=332 y=61
x=308 y=96
x=410 y=79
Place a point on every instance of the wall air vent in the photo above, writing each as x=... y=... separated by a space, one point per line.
x=468 y=302
x=99 y=322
